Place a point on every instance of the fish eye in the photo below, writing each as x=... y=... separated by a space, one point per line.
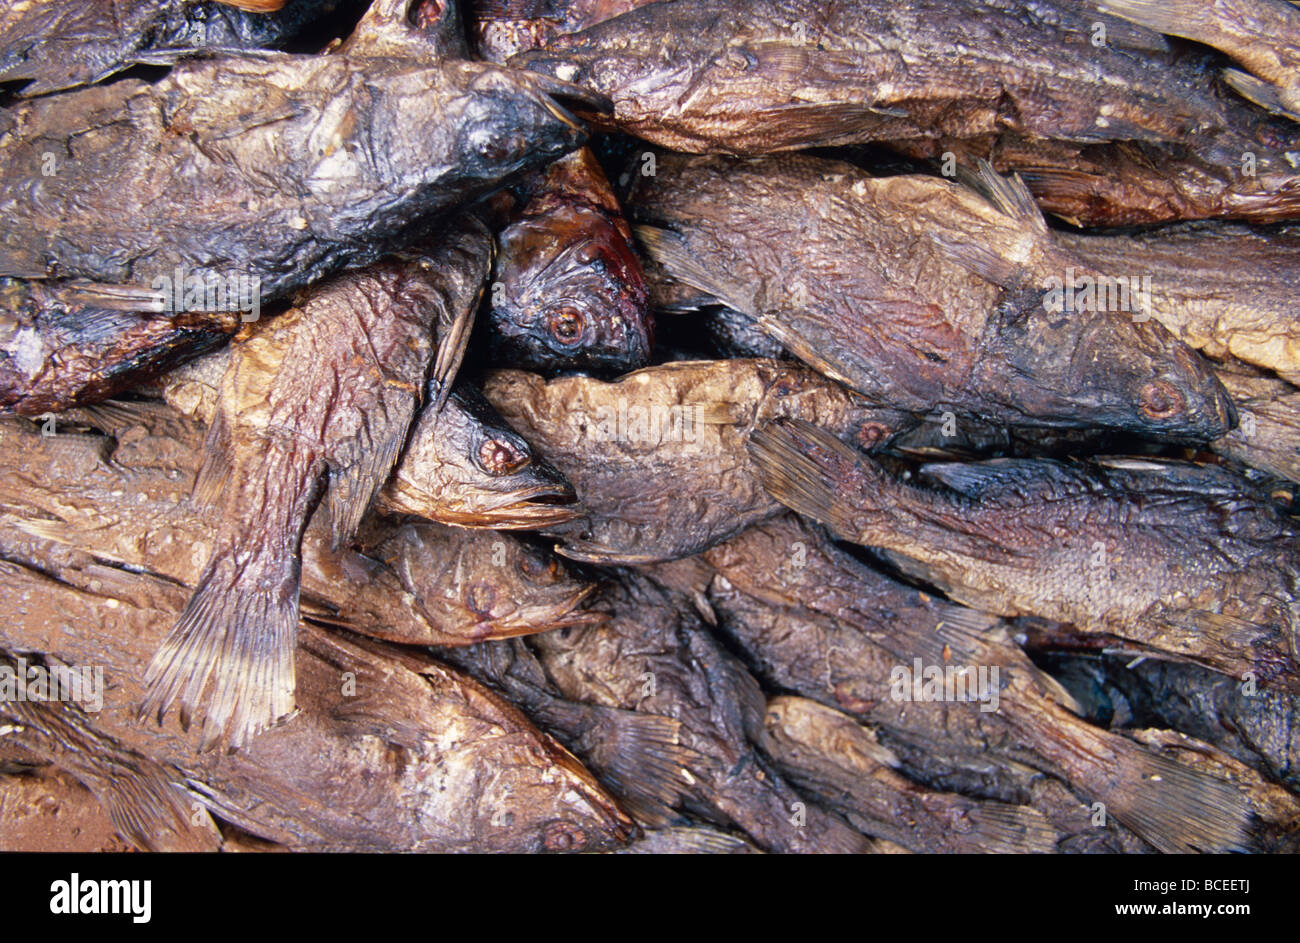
x=499 y=456
x=566 y=325
x=536 y=568
x=561 y=836
x=1160 y=400
x=496 y=147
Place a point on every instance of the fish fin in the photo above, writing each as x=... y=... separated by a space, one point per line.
x=1003 y=828
x=214 y=474
x=1061 y=184
x=453 y=340
x=588 y=551
x=1176 y=809
x=670 y=250
x=1009 y=195
x=111 y=416
x=980 y=260
x=803 y=349
x=456 y=317
x=1190 y=19
x=129 y=298
x=688 y=840
x=1000 y=476
x=238 y=631
x=142 y=799
x=1264 y=94
x=640 y=756
x=799 y=465
x=353 y=486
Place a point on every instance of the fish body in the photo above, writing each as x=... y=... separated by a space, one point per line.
x=658 y=458
x=767 y=75
x=844 y=269
x=1190 y=561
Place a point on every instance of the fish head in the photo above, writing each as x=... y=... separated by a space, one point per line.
x=1101 y=368
x=571 y=294
x=494 y=584
x=510 y=121
x=465 y=466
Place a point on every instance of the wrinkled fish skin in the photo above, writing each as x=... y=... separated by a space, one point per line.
x=1223 y=289
x=409 y=756
x=658 y=457
x=844 y=269
x=813 y=620
x=1182 y=559
x=830 y=755
x=758 y=76
x=654 y=657
x=1268 y=437
x=59 y=44
x=414 y=583
x=567 y=287
x=278 y=168
x=60 y=351
x=366 y=340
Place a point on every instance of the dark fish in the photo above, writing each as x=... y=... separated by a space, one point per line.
x=330 y=387
x=758 y=76
x=1223 y=289
x=815 y=621
x=655 y=657
x=830 y=755
x=1187 y=560
x=658 y=457
x=415 y=583
x=921 y=294
x=268 y=167
x=567 y=287
x=58 y=44
x=390 y=751
x=60 y=349
x=1263 y=35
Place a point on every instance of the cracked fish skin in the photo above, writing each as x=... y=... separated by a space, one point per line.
x=765 y=75
x=1187 y=560
x=1220 y=288
x=631 y=484
x=712 y=697
x=920 y=294
x=277 y=167
x=60 y=44
x=419 y=758
x=60 y=350
x=832 y=629
x=414 y=583
x=326 y=391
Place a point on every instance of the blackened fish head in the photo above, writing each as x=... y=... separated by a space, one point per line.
x=569 y=292
x=1101 y=368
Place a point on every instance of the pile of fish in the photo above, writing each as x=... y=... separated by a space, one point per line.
x=679 y=426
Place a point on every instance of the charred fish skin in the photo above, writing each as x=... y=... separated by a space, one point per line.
x=716 y=702
x=568 y=289
x=825 y=626
x=60 y=350
x=59 y=45
x=1086 y=545
x=767 y=75
x=837 y=265
x=473 y=776
x=276 y=168
x=368 y=338
x=635 y=447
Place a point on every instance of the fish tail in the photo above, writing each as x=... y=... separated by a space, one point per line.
x=238 y=633
x=640 y=756
x=1002 y=828
x=803 y=467
x=1190 y=19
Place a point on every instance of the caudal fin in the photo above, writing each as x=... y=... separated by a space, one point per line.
x=231 y=651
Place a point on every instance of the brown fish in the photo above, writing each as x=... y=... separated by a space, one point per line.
x=415 y=583
x=658 y=457
x=1182 y=559
x=813 y=620
x=365 y=340
x=921 y=294
x=41 y=807
x=1268 y=436
x=1263 y=35
x=389 y=751
x=654 y=657
x=831 y=755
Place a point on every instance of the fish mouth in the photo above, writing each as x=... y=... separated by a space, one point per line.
x=553 y=91
x=545 y=617
x=533 y=508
